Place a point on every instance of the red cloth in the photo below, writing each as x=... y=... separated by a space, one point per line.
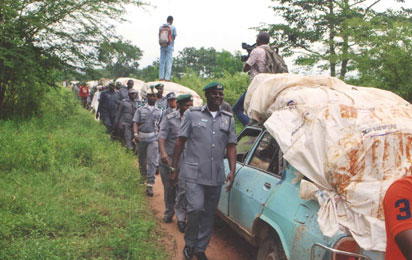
x=398 y=215
x=83 y=91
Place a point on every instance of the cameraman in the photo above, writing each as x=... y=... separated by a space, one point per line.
x=255 y=64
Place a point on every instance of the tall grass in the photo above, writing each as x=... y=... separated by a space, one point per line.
x=68 y=192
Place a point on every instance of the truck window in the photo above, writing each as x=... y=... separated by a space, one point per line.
x=245 y=142
x=268 y=156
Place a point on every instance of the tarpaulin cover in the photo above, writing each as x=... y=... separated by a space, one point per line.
x=351 y=142
x=178 y=90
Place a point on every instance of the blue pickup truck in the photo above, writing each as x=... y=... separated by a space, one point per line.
x=264 y=207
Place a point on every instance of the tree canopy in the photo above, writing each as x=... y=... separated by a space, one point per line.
x=321 y=32
x=42 y=38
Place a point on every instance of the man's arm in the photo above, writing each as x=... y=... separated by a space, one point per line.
x=231 y=156
x=163 y=133
x=404 y=241
x=250 y=61
x=246 y=67
x=136 y=119
x=180 y=145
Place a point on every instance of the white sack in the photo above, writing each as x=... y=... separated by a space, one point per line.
x=352 y=142
x=178 y=90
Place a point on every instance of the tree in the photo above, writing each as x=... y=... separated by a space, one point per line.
x=41 y=38
x=385 y=53
x=206 y=62
x=319 y=32
x=120 y=58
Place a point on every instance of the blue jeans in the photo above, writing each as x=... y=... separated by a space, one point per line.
x=166 y=61
x=239 y=111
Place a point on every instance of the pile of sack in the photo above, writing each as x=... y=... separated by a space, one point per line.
x=350 y=142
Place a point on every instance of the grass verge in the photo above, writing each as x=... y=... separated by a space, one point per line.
x=68 y=192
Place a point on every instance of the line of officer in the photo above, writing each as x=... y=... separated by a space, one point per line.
x=145 y=130
x=124 y=117
x=169 y=129
x=205 y=133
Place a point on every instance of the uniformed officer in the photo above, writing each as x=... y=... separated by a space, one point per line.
x=171 y=103
x=161 y=101
x=206 y=132
x=169 y=128
x=145 y=130
x=124 y=90
x=108 y=102
x=124 y=117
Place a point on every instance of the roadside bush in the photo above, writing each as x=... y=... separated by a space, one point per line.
x=68 y=191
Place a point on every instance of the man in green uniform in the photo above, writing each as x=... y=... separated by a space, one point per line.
x=206 y=133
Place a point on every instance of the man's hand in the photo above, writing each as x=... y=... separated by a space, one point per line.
x=136 y=139
x=165 y=159
x=173 y=177
x=229 y=181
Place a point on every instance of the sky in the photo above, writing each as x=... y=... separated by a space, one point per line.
x=222 y=24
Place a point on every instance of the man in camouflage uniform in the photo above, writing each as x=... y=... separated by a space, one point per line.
x=169 y=129
x=124 y=117
x=145 y=130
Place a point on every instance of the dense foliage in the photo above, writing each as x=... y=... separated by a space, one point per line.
x=40 y=39
x=322 y=33
x=68 y=191
x=202 y=62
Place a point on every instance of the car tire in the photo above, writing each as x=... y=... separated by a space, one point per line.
x=270 y=248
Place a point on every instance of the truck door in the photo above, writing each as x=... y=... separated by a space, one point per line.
x=245 y=141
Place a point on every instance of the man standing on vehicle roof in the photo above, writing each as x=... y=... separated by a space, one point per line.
x=166 y=48
x=169 y=129
x=398 y=219
x=205 y=134
x=145 y=130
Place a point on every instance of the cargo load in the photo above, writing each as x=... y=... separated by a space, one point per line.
x=350 y=142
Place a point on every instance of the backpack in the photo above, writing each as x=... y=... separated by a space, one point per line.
x=274 y=62
x=165 y=35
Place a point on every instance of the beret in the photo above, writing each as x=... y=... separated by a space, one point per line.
x=171 y=95
x=132 y=90
x=151 y=90
x=213 y=86
x=158 y=85
x=184 y=97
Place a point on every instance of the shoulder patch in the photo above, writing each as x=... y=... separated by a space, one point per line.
x=195 y=108
x=226 y=113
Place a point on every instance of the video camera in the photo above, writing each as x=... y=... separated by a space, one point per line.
x=249 y=49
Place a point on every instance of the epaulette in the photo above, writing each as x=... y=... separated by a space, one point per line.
x=195 y=109
x=172 y=115
x=226 y=113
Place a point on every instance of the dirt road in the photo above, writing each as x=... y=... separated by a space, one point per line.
x=225 y=243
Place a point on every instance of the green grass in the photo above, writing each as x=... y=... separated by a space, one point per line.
x=68 y=192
